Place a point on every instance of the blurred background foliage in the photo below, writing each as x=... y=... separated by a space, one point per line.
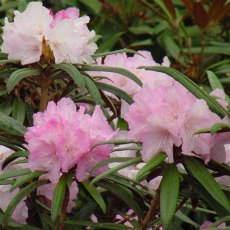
x=194 y=35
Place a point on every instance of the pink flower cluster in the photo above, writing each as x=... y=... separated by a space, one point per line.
x=168 y=115
x=36 y=31
x=20 y=213
x=165 y=114
x=62 y=139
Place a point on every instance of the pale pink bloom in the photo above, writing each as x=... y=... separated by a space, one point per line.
x=219 y=95
x=208 y=223
x=98 y=130
x=154 y=119
x=70 y=41
x=22 y=38
x=66 y=35
x=224 y=180
x=220 y=148
x=69 y=13
x=20 y=213
x=132 y=170
x=198 y=117
x=62 y=138
x=143 y=58
x=47 y=191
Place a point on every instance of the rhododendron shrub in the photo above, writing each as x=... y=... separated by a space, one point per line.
x=110 y=140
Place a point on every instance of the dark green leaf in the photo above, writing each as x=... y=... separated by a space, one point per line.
x=18 y=110
x=114 y=90
x=124 y=194
x=107 y=161
x=201 y=173
x=191 y=86
x=18 y=75
x=93 y=225
x=73 y=72
x=58 y=198
x=11 y=126
x=15 y=173
x=169 y=191
x=149 y=166
x=111 y=69
x=214 y=81
x=95 y=194
x=25 y=179
x=117 y=168
x=93 y=90
x=115 y=52
x=14 y=156
x=19 y=196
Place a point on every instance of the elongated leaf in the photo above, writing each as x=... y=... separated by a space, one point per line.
x=169 y=194
x=93 y=90
x=73 y=72
x=58 y=198
x=150 y=165
x=18 y=75
x=97 y=225
x=114 y=142
x=19 y=196
x=95 y=194
x=213 y=80
x=107 y=161
x=124 y=194
x=116 y=168
x=191 y=86
x=200 y=172
x=220 y=127
x=14 y=156
x=111 y=69
x=19 y=110
x=114 y=52
x=11 y=126
x=26 y=179
x=186 y=219
x=114 y=90
x=15 y=173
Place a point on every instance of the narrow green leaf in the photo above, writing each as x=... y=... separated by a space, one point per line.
x=107 y=161
x=115 y=52
x=14 y=156
x=93 y=90
x=186 y=219
x=124 y=194
x=169 y=192
x=213 y=80
x=114 y=90
x=149 y=166
x=18 y=75
x=95 y=194
x=93 y=225
x=116 y=168
x=218 y=127
x=111 y=69
x=58 y=198
x=19 y=110
x=15 y=173
x=19 y=196
x=201 y=173
x=11 y=126
x=73 y=72
x=26 y=179
x=191 y=86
